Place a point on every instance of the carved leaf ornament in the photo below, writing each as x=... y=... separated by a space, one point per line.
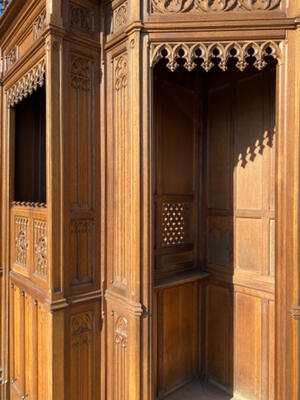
x=181 y=6
x=210 y=54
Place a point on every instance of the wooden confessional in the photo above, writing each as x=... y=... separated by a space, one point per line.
x=149 y=186
x=213 y=229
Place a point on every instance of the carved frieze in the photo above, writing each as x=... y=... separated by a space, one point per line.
x=21 y=240
x=39 y=25
x=209 y=54
x=207 y=6
x=40 y=247
x=27 y=84
x=120 y=16
x=81 y=18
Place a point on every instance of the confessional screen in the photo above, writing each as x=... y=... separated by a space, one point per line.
x=30 y=149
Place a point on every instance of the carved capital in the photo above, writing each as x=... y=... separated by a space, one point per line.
x=208 y=54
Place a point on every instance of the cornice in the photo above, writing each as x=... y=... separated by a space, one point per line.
x=10 y=15
x=219 y=25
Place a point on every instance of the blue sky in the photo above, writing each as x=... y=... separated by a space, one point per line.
x=1 y=8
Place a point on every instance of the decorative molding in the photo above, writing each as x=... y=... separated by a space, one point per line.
x=207 y=6
x=21 y=240
x=40 y=263
x=39 y=24
x=218 y=53
x=80 y=73
x=120 y=16
x=31 y=204
x=121 y=331
x=27 y=84
x=120 y=153
x=82 y=251
x=81 y=18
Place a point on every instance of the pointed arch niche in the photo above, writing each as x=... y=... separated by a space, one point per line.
x=214 y=219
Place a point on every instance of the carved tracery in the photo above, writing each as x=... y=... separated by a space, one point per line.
x=27 y=84
x=196 y=6
x=218 y=53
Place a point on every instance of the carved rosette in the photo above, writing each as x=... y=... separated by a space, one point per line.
x=27 y=84
x=219 y=52
x=39 y=25
x=120 y=16
x=198 y=6
x=80 y=73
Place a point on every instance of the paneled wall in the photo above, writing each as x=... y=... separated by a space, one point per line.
x=240 y=234
x=29 y=350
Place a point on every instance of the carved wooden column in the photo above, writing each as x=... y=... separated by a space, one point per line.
x=125 y=308
x=74 y=209
x=287 y=231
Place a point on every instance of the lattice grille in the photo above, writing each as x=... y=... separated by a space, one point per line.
x=173 y=224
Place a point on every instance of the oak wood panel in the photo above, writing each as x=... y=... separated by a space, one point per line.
x=247 y=346
x=240 y=239
x=219 y=333
x=29 y=348
x=175 y=174
x=177 y=342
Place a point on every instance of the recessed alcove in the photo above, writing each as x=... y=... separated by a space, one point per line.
x=30 y=148
x=213 y=168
